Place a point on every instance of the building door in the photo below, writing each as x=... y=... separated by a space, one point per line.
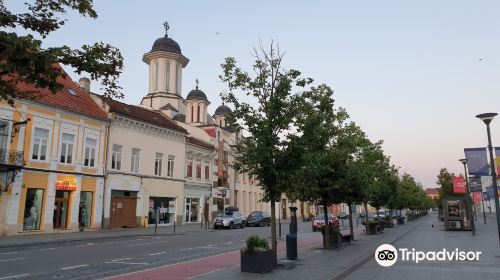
x=60 y=217
x=123 y=212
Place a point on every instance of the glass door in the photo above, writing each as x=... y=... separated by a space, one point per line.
x=61 y=209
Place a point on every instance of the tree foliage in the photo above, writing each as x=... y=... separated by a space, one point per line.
x=23 y=58
x=269 y=151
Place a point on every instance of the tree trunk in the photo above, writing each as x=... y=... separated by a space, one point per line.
x=326 y=235
x=274 y=246
x=366 y=217
x=351 y=226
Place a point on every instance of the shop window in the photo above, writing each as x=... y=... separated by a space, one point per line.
x=161 y=209
x=40 y=142
x=116 y=157
x=67 y=141
x=33 y=209
x=198 y=169
x=192 y=209
x=170 y=166
x=90 y=151
x=134 y=165
x=158 y=163
x=85 y=211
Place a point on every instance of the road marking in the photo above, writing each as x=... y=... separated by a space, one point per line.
x=230 y=242
x=15 y=276
x=148 y=243
x=9 y=260
x=45 y=249
x=155 y=254
x=113 y=241
x=128 y=263
x=76 y=266
x=183 y=249
x=124 y=259
x=9 y=253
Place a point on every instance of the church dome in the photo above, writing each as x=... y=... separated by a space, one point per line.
x=166 y=44
x=222 y=110
x=196 y=94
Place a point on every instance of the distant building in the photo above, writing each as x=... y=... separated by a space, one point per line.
x=433 y=193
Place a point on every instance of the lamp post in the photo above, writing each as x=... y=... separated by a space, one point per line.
x=468 y=200
x=487 y=118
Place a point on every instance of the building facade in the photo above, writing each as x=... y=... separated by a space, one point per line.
x=59 y=186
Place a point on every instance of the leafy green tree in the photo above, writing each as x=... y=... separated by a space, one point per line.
x=24 y=59
x=269 y=151
x=445 y=182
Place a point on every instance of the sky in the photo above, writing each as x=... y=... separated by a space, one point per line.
x=411 y=73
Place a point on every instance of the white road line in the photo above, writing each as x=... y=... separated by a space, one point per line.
x=127 y=263
x=148 y=243
x=120 y=259
x=15 y=276
x=76 y=266
x=230 y=242
x=45 y=249
x=9 y=253
x=183 y=249
x=113 y=241
x=9 y=260
x=155 y=254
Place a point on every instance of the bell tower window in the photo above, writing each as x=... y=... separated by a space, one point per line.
x=167 y=76
x=156 y=76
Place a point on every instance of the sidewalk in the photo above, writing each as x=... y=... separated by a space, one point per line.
x=47 y=238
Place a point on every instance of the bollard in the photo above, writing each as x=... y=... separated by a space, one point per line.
x=291 y=239
x=174 y=227
x=156 y=222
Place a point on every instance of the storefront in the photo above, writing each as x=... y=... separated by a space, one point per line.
x=33 y=209
x=193 y=209
x=161 y=209
x=62 y=203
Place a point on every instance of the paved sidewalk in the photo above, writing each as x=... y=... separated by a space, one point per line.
x=356 y=261
x=47 y=238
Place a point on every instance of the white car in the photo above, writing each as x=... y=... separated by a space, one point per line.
x=230 y=220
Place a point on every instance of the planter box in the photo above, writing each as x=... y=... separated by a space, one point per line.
x=335 y=239
x=387 y=224
x=257 y=262
x=372 y=229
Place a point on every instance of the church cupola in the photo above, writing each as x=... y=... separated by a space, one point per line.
x=165 y=61
x=220 y=115
x=196 y=106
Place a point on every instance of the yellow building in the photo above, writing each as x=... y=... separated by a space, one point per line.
x=60 y=138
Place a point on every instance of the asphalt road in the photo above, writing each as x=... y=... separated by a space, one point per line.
x=100 y=258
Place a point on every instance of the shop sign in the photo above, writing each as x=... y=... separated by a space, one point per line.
x=65 y=186
x=171 y=206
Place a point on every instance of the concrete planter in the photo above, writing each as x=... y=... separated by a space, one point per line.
x=257 y=262
x=401 y=221
x=335 y=239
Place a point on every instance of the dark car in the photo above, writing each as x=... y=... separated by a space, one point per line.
x=259 y=219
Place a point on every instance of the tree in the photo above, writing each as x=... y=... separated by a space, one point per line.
x=268 y=152
x=327 y=141
x=445 y=182
x=24 y=59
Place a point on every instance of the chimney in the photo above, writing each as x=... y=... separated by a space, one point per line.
x=84 y=83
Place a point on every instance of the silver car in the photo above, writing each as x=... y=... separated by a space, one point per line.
x=230 y=220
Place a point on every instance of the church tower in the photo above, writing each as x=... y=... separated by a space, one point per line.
x=196 y=107
x=166 y=62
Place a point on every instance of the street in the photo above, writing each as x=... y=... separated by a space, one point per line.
x=94 y=259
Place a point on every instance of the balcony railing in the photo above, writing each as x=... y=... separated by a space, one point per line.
x=11 y=159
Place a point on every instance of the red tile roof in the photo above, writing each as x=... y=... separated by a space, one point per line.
x=143 y=114
x=432 y=191
x=210 y=131
x=80 y=102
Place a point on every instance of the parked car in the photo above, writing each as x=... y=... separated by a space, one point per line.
x=319 y=221
x=230 y=220
x=343 y=216
x=380 y=214
x=259 y=219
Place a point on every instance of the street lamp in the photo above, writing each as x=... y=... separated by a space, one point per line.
x=468 y=201
x=487 y=118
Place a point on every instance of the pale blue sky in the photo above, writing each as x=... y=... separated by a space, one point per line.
x=408 y=72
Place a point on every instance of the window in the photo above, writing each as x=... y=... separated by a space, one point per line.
x=4 y=134
x=198 y=116
x=189 y=171
x=116 y=157
x=170 y=166
x=90 y=147
x=33 y=209
x=134 y=166
x=178 y=79
x=85 y=209
x=198 y=169
x=167 y=76
x=158 y=163
x=156 y=76
x=192 y=113
x=67 y=148
x=207 y=170
x=40 y=141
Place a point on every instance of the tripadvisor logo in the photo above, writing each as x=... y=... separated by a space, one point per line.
x=387 y=255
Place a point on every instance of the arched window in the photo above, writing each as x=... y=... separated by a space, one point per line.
x=198 y=117
x=192 y=113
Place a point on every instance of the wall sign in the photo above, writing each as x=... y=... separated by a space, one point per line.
x=65 y=186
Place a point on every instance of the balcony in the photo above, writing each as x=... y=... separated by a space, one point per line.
x=11 y=160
